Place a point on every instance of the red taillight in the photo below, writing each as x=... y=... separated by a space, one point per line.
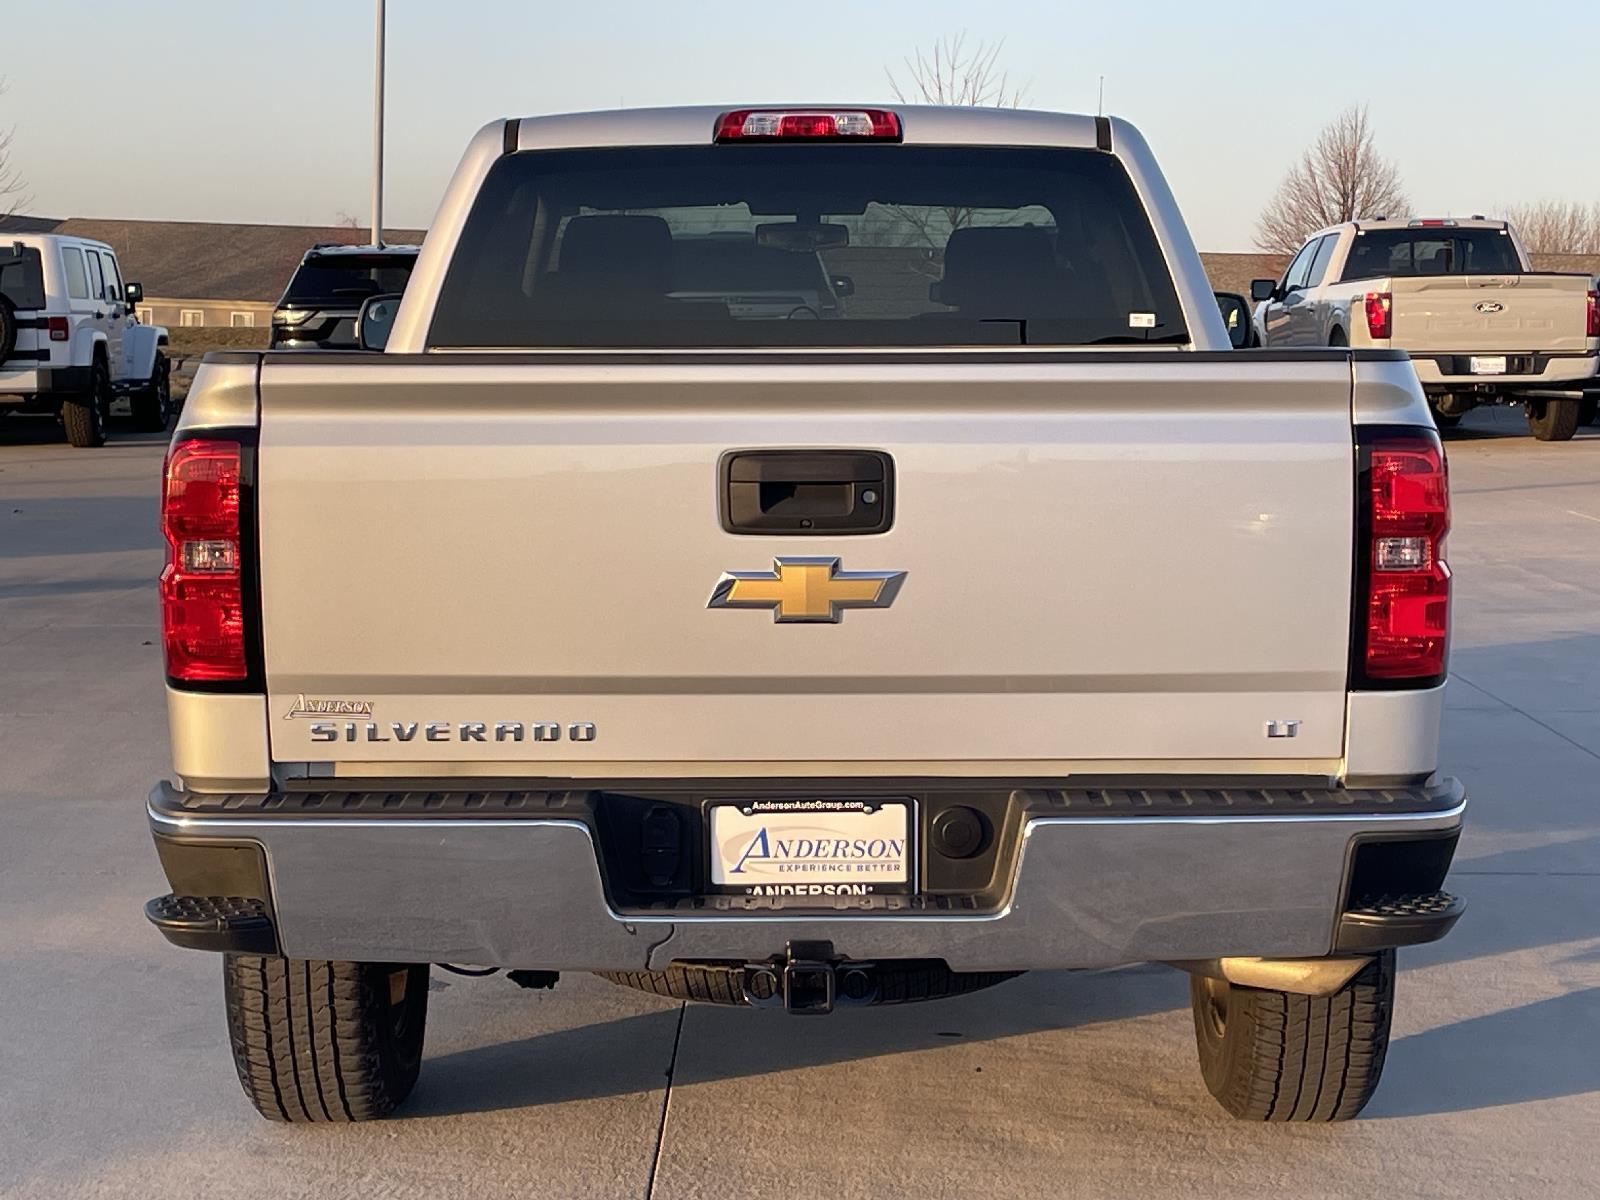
x=1380 y=311
x=202 y=586
x=810 y=124
x=1593 y=327
x=1405 y=577
x=59 y=329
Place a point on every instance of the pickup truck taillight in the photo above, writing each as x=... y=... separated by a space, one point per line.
x=1402 y=617
x=795 y=125
x=1380 y=310
x=1593 y=327
x=202 y=586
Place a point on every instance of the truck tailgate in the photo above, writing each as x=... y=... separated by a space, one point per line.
x=1108 y=558
x=1468 y=313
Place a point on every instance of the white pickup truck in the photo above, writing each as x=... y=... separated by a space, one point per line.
x=1480 y=325
x=1006 y=619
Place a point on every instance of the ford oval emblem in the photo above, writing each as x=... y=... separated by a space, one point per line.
x=1489 y=306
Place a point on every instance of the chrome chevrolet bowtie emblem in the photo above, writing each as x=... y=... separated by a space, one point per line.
x=806 y=589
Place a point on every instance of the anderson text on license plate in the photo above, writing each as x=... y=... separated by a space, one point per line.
x=818 y=848
x=1488 y=364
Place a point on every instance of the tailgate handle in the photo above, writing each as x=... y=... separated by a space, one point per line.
x=806 y=491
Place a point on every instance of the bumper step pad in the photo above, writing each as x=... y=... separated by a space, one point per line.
x=1382 y=922
x=236 y=924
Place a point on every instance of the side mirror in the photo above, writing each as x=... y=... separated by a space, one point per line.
x=134 y=292
x=375 y=321
x=1263 y=289
x=1236 y=316
x=843 y=286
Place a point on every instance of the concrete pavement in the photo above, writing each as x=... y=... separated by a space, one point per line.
x=115 y=1078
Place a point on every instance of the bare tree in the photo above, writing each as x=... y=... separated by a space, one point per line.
x=951 y=72
x=1340 y=178
x=1557 y=226
x=13 y=191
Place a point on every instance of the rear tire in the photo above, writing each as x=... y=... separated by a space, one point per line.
x=84 y=417
x=8 y=328
x=1443 y=420
x=317 y=1041
x=1553 y=420
x=151 y=405
x=1278 y=1056
x=723 y=983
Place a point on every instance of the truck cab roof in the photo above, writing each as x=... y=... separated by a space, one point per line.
x=696 y=124
x=1371 y=224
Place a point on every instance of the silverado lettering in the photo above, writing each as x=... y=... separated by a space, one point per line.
x=439 y=731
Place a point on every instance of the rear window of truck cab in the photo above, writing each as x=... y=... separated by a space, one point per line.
x=1376 y=253
x=806 y=245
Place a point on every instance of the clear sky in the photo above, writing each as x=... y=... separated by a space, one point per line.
x=242 y=110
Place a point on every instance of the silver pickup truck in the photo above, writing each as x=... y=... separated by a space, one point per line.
x=1481 y=325
x=1006 y=619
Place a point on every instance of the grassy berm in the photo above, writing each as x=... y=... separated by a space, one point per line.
x=194 y=341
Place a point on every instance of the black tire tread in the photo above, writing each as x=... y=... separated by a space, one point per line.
x=723 y=983
x=1554 y=420
x=306 y=1039
x=145 y=404
x=1303 y=1058
x=8 y=327
x=84 y=417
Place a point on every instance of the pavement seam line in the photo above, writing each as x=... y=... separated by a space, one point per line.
x=1547 y=728
x=666 y=1101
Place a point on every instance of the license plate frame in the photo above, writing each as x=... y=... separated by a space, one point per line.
x=1487 y=364
x=733 y=828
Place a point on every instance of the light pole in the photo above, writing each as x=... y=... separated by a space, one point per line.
x=377 y=138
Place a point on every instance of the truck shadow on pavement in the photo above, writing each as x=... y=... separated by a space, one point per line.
x=603 y=1060
x=73 y=526
x=1493 y=422
x=1541 y=1050
x=46 y=431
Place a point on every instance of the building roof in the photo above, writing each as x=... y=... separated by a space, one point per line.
x=16 y=224
x=203 y=260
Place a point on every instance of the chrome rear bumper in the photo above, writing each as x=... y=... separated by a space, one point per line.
x=1087 y=890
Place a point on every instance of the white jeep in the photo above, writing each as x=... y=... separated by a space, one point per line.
x=69 y=340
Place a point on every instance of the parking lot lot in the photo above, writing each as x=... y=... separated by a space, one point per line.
x=116 y=1080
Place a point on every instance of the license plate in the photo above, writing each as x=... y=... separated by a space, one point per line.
x=1494 y=364
x=816 y=848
